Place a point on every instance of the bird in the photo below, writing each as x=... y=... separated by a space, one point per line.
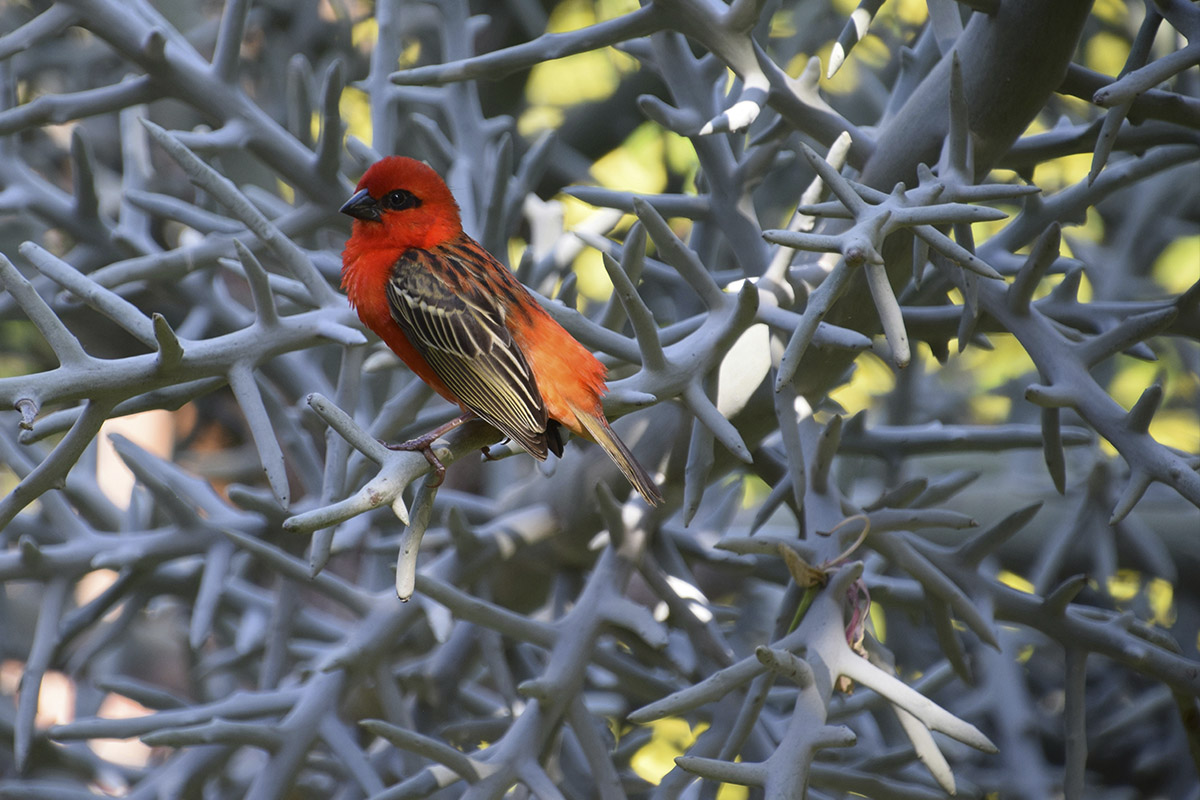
x=464 y=324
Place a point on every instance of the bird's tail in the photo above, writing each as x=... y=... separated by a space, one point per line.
x=602 y=434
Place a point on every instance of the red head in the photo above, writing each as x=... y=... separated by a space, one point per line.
x=402 y=203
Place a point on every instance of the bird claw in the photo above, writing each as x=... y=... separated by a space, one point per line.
x=487 y=450
x=424 y=446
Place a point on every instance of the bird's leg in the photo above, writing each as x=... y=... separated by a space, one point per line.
x=487 y=451
x=424 y=445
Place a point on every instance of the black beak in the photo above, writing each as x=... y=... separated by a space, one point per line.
x=362 y=206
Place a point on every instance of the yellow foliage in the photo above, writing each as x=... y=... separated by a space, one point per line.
x=872 y=51
x=894 y=16
x=1061 y=172
x=1131 y=379
x=1114 y=12
x=1106 y=53
x=1092 y=230
x=1015 y=581
x=990 y=409
x=669 y=738
x=571 y=15
x=754 y=491
x=535 y=119
x=1184 y=385
x=1058 y=173
x=796 y=64
x=1177 y=426
x=1178 y=266
x=1036 y=126
x=365 y=33
x=985 y=230
x=1124 y=585
x=516 y=249
x=847 y=78
x=355 y=107
x=410 y=55
x=783 y=24
x=1128 y=584
x=1001 y=175
x=871 y=378
x=1177 y=423
x=286 y=191
x=638 y=165
x=584 y=77
x=574 y=210
x=672 y=737
x=593 y=283
x=593 y=280
x=680 y=155
x=878 y=622
x=1048 y=283
x=991 y=369
x=1178 y=429
x=611 y=9
x=8 y=481
x=1161 y=596
x=729 y=791
x=909 y=12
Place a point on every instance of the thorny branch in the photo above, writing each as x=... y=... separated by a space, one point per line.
x=168 y=237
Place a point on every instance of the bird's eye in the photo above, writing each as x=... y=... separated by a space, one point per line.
x=400 y=199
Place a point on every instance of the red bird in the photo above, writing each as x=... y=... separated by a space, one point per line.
x=463 y=323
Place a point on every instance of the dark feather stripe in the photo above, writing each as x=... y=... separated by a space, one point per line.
x=476 y=273
x=445 y=302
x=489 y=398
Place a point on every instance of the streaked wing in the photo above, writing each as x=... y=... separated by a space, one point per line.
x=461 y=334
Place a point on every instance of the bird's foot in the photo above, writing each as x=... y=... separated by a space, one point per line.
x=424 y=446
x=487 y=452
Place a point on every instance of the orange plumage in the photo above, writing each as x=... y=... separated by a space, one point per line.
x=463 y=323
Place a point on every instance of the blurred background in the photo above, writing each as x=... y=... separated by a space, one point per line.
x=181 y=614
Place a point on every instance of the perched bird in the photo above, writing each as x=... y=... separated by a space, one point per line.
x=463 y=323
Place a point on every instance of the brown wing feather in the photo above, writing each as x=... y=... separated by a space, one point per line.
x=461 y=334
